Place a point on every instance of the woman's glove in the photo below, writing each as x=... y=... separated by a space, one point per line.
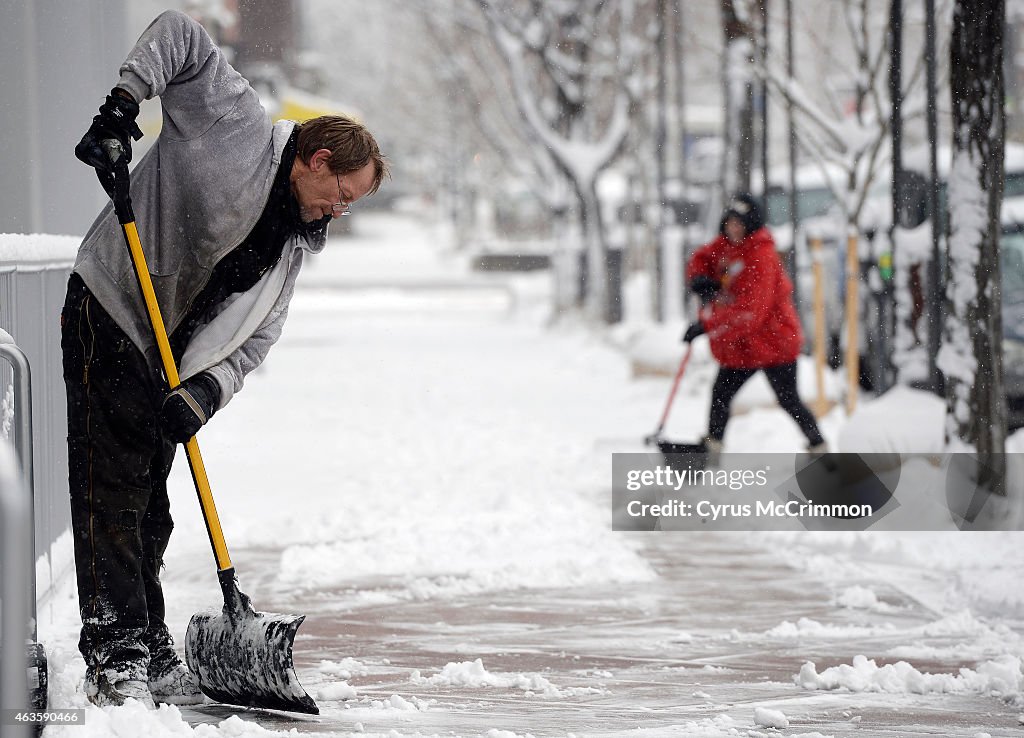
x=705 y=287
x=695 y=329
x=189 y=407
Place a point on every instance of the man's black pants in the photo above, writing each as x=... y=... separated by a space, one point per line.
x=782 y=379
x=118 y=463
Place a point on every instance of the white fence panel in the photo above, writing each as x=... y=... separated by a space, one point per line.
x=34 y=271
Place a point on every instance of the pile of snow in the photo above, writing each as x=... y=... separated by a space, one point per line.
x=473 y=674
x=655 y=348
x=344 y=669
x=862 y=598
x=394 y=708
x=337 y=675
x=903 y=420
x=401 y=704
x=770 y=718
x=336 y=692
x=1002 y=677
x=808 y=628
x=37 y=249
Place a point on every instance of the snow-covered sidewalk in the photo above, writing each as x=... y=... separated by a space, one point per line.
x=423 y=470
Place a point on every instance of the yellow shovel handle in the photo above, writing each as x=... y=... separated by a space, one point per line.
x=195 y=459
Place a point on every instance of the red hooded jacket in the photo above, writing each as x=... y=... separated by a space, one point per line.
x=751 y=323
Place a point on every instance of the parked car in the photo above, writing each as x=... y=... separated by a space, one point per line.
x=914 y=194
x=1011 y=252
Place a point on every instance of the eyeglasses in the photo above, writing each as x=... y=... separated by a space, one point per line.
x=341 y=207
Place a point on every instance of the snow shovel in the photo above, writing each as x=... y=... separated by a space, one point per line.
x=240 y=656
x=698 y=450
x=681 y=456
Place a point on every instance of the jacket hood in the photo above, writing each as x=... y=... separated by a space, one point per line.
x=745 y=207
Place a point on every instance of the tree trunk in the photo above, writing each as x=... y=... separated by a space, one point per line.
x=596 y=283
x=660 y=155
x=739 y=92
x=971 y=354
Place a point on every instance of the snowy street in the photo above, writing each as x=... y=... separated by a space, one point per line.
x=422 y=468
x=666 y=378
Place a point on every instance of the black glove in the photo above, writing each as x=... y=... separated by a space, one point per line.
x=189 y=407
x=705 y=287
x=695 y=329
x=116 y=121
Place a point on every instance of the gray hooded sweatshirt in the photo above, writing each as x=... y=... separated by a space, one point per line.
x=197 y=193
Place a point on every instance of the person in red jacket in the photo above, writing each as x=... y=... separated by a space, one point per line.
x=748 y=315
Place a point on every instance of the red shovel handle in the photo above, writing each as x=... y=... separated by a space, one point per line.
x=672 y=394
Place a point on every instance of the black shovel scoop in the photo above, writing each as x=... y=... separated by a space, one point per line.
x=244 y=657
x=683 y=455
x=240 y=656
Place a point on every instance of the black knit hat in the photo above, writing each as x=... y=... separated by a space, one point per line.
x=745 y=207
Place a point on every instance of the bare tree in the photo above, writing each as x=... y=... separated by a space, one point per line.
x=851 y=130
x=571 y=65
x=469 y=59
x=971 y=353
x=400 y=96
x=470 y=65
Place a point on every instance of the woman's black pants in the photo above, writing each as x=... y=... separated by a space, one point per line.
x=782 y=379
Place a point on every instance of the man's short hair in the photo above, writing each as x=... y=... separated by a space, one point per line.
x=352 y=147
